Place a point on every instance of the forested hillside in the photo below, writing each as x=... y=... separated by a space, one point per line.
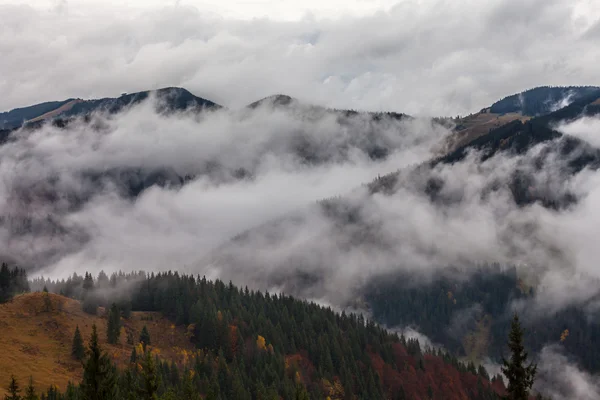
x=254 y=345
x=542 y=100
x=470 y=316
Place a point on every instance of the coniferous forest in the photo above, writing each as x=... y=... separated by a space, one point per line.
x=255 y=345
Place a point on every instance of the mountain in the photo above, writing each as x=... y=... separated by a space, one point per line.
x=467 y=308
x=15 y=118
x=521 y=107
x=169 y=100
x=276 y=100
x=542 y=100
x=364 y=250
x=36 y=340
x=248 y=344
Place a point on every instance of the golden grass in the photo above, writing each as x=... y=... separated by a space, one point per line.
x=477 y=125
x=37 y=343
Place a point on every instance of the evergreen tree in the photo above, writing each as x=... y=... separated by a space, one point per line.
x=520 y=376
x=47 y=302
x=77 y=349
x=133 y=357
x=99 y=374
x=88 y=282
x=113 y=328
x=149 y=379
x=145 y=337
x=71 y=393
x=13 y=390
x=5 y=292
x=30 y=391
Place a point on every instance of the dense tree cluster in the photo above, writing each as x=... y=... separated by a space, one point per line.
x=254 y=345
x=12 y=281
x=458 y=314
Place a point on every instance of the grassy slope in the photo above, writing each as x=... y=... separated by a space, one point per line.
x=38 y=343
x=476 y=125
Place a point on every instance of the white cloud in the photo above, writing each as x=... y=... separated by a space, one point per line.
x=432 y=57
x=587 y=129
x=560 y=378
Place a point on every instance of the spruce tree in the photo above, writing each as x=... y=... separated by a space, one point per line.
x=30 y=391
x=149 y=379
x=113 y=329
x=133 y=357
x=77 y=349
x=13 y=390
x=520 y=376
x=5 y=289
x=99 y=374
x=145 y=337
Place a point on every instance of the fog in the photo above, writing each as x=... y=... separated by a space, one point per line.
x=266 y=228
x=561 y=378
x=58 y=220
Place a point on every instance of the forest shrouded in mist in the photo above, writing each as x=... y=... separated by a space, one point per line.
x=371 y=212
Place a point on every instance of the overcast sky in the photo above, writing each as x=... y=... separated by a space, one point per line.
x=436 y=57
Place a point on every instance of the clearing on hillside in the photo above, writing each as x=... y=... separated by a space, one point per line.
x=36 y=341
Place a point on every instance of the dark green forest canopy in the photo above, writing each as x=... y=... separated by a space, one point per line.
x=450 y=311
x=277 y=345
x=541 y=100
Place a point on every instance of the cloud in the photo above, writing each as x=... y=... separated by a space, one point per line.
x=64 y=191
x=473 y=220
x=429 y=57
x=587 y=129
x=560 y=378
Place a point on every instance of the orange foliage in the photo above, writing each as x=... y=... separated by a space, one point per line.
x=261 y=343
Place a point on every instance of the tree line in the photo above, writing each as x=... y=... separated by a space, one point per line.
x=256 y=345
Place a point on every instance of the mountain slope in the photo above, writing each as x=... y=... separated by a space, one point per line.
x=35 y=341
x=15 y=118
x=169 y=100
x=275 y=345
x=542 y=100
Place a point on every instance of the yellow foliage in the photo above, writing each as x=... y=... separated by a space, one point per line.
x=220 y=316
x=564 y=335
x=261 y=343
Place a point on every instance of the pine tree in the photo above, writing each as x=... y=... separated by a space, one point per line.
x=520 y=377
x=149 y=379
x=71 y=392
x=47 y=302
x=145 y=337
x=99 y=374
x=133 y=357
x=113 y=329
x=30 y=391
x=77 y=349
x=13 y=390
x=5 y=292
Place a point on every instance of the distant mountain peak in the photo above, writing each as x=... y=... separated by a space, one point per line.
x=172 y=99
x=542 y=100
x=276 y=100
